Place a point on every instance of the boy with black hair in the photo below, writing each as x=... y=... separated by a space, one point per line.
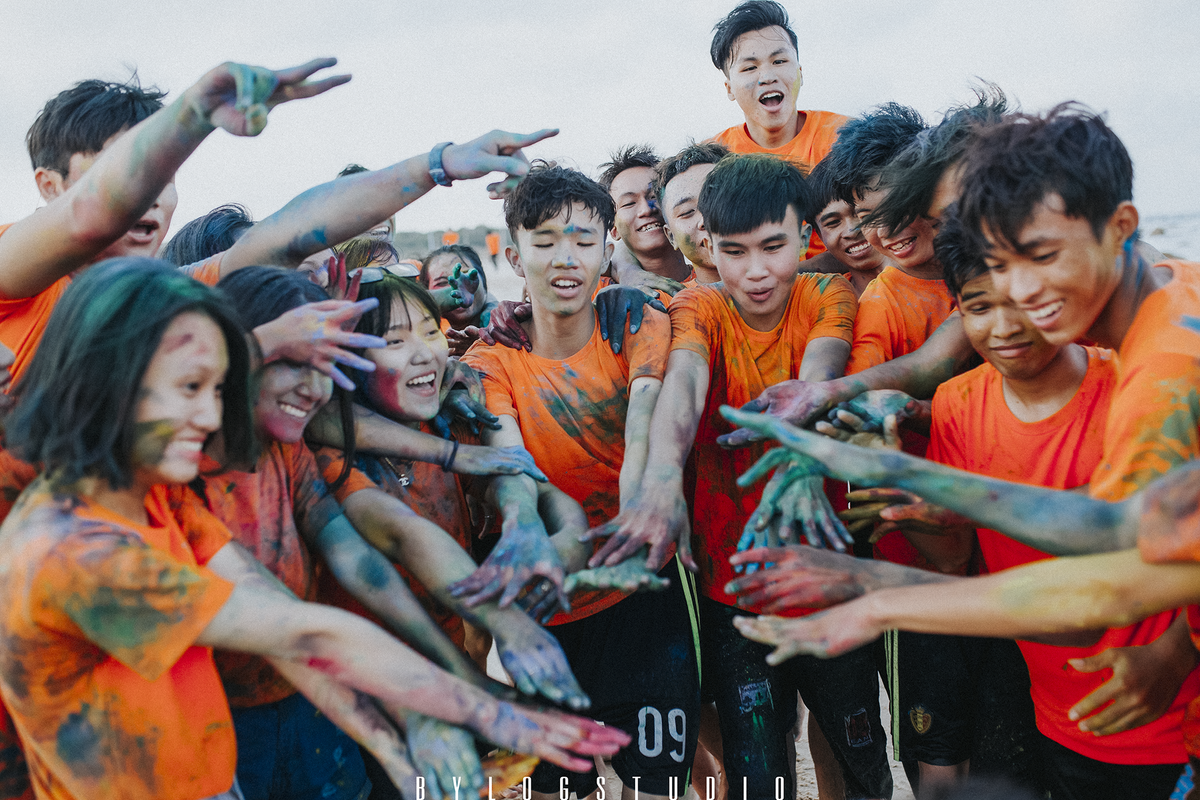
x=677 y=183
x=848 y=251
x=584 y=412
x=763 y=323
x=1047 y=200
x=757 y=50
x=629 y=179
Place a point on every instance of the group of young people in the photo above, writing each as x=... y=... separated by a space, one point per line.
x=272 y=495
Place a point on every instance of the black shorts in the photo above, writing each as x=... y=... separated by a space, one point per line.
x=1073 y=776
x=756 y=704
x=963 y=697
x=639 y=663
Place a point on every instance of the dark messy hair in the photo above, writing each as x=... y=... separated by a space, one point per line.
x=206 y=236
x=912 y=176
x=1013 y=165
x=352 y=169
x=463 y=252
x=752 y=15
x=262 y=294
x=393 y=293
x=635 y=155
x=744 y=192
x=820 y=187
x=77 y=403
x=81 y=119
x=547 y=190
x=958 y=254
x=365 y=251
x=690 y=156
x=866 y=144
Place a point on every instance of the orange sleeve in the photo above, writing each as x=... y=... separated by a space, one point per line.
x=488 y=361
x=648 y=348
x=834 y=306
x=1152 y=424
x=873 y=333
x=693 y=325
x=313 y=507
x=330 y=462
x=207 y=271
x=137 y=603
x=206 y=532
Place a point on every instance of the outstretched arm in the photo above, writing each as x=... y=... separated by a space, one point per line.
x=918 y=373
x=1057 y=595
x=343 y=208
x=1058 y=522
x=128 y=177
x=258 y=619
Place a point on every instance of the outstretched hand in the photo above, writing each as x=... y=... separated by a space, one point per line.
x=444 y=755
x=238 y=97
x=523 y=555
x=562 y=739
x=629 y=576
x=794 y=499
x=318 y=334
x=795 y=401
x=797 y=577
x=824 y=634
x=656 y=519
x=504 y=326
x=616 y=303
x=535 y=661
x=498 y=151
x=473 y=459
x=888 y=510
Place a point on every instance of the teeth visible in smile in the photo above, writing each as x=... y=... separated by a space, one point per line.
x=421 y=381
x=771 y=96
x=855 y=249
x=898 y=246
x=564 y=283
x=293 y=411
x=1044 y=312
x=649 y=226
x=193 y=446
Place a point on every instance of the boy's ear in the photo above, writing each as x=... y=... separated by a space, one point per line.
x=728 y=88
x=670 y=237
x=513 y=255
x=1124 y=221
x=609 y=247
x=805 y=236
x=613 y=235
x=799 y=77
x=49 y=183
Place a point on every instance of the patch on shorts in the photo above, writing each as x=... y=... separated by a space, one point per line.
x=753 y=695
x=858 y=729
x=921 y=719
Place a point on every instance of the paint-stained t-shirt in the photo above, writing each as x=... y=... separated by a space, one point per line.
x=572 y=417
x=973 y=429
x=23 y=319
x=98 y=662
x=743 y=362
x=274 y=512
x=897 y=313
x=805 y=149
x=432 y=493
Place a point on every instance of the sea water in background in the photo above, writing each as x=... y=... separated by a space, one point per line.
x=1176 y=235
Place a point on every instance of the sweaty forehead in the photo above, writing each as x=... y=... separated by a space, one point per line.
x=635 y=179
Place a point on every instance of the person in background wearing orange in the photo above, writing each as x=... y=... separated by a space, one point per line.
x=763 y=323
x=849 y=253
x=493 y=245
x=677 y=183
x=584 y=412
x=459 y=267
x=757 y=50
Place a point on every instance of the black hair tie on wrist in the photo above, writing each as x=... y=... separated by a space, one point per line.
x=449 y=462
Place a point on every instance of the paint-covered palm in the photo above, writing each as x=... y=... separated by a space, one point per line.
x=797 y=402
x=238 y=97
x=630 y=575
x=523 y=557
x=441 y=753
x=497 y=151
x=536 y=662
x=793 y=501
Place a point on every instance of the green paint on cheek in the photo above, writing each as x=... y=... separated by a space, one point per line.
x=151 y=440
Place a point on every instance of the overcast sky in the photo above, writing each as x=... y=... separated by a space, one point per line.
x=606 y=73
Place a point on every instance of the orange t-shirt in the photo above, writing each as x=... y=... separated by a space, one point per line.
x=896 y=314
x=23 y=319
x=742 y=363
x=805 y=149
x=572 y=416
x=436 y=495
x=973 y=429
x=274 y=512
x=98 y=662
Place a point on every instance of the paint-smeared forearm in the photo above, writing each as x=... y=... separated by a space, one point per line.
x=374 y=433
x=372 y=580
x=824 y=359
x=1053 y=596
x=1056 y=522
x=643 y=397
x=330 y=214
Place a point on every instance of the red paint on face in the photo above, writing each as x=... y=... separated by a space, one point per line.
x=289 y=396
x=407 y=381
